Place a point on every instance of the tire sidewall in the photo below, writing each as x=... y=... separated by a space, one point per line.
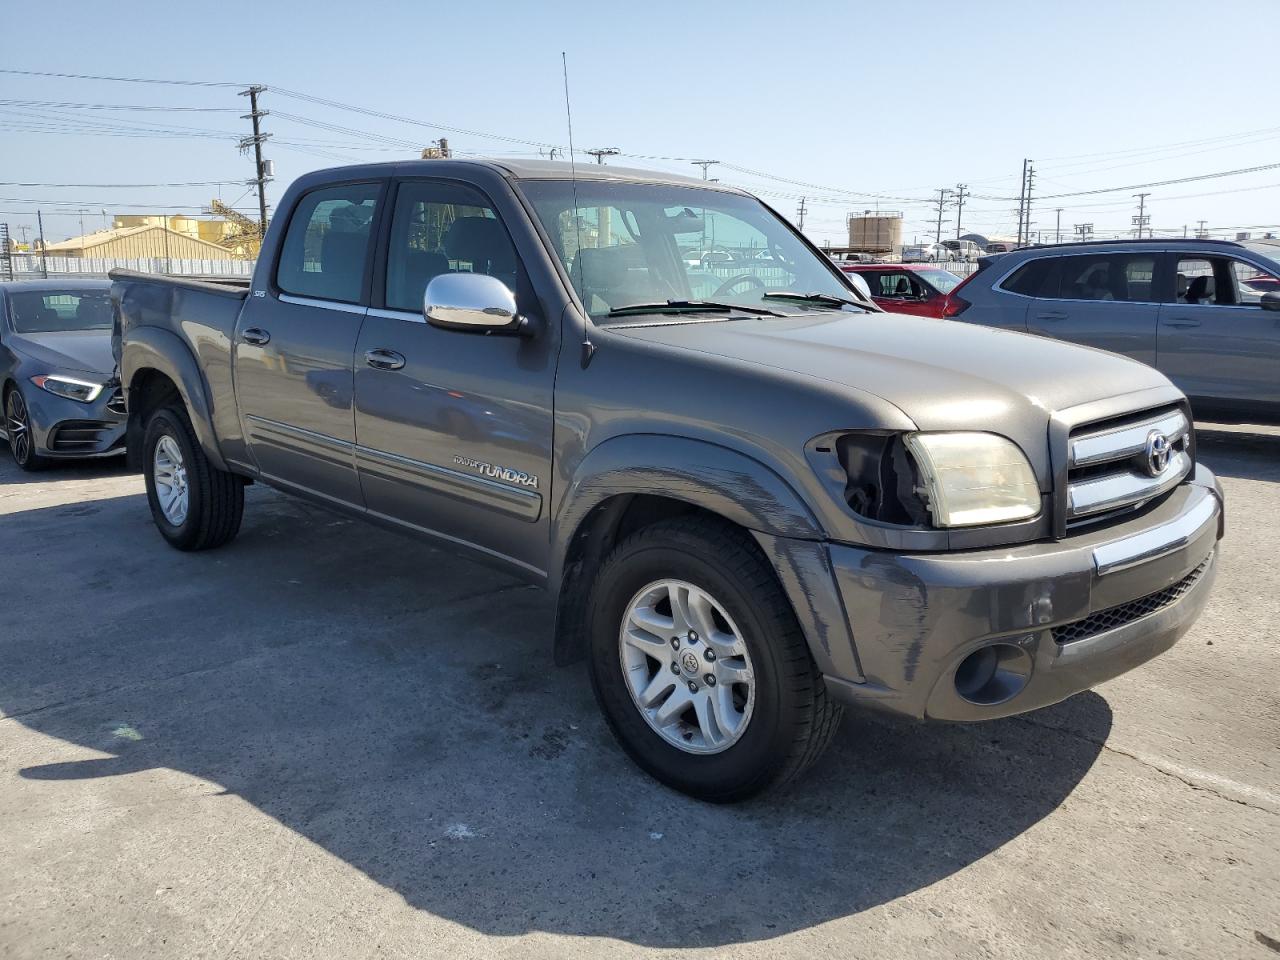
x=760 y=753
x=167 y=422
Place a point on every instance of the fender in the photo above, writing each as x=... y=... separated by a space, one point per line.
x=724 y=481
x=728 y=483
x=165 y=352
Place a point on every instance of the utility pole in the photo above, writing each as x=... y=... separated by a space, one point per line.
x=1022 y=201
x=800 y=224
x=256 y=141
x=1057 y=230
x=1201 y=232
x=704 y=164
x=962 y=191
x=1143 y=218
x=44 y=264
x=601 y=152
x=81 y=211
x=1084 y=231
x=943 y=193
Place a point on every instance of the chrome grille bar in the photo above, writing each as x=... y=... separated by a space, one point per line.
x=1108 y=467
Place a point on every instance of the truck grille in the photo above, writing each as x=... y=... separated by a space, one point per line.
x=1125 y=613
x=1121 y=465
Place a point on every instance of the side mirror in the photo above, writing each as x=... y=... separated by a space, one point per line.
x=1271 y=301
x=471 y=301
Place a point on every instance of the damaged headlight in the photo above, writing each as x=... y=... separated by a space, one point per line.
x=971 y=479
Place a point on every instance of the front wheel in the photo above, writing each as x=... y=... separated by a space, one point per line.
x=195 y=505
x=700 y=666
x=22 y=441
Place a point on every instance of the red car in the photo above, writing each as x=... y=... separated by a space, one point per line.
x=917 y=288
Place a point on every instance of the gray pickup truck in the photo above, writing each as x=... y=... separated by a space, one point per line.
x=756 y=496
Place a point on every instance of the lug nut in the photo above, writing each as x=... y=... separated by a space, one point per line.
x=710 y=680
x=675 y=643
x=693 y=636
x=675 y=668
x=693 y=687
x=710 y=654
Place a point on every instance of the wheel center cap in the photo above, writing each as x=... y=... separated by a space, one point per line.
x=690 y=663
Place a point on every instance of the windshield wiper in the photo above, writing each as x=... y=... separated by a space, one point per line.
x=830 y=299
x=689 y=306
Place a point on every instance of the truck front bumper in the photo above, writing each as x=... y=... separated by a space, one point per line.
x=983 y=634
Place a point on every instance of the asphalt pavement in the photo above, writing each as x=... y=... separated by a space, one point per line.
x=327 y=740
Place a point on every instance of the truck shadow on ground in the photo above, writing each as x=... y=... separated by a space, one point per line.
x=398 y=707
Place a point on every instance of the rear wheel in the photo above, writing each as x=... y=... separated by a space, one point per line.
x=17 y=424
x=699 y=664
x=195 y=505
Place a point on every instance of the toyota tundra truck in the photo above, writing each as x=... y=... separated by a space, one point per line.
x=755 y=496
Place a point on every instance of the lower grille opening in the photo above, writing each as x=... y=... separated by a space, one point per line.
x=1125 y=613
x=79 y=436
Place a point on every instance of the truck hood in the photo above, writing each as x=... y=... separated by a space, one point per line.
x=942 y=374
x=86 y=351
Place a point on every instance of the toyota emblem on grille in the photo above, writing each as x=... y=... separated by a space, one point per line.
x=1158 y=450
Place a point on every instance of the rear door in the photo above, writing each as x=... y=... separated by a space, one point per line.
x=295 y=342
x=454 y=429
x=1104 y=300
x=899 y=291
x=1216 y=343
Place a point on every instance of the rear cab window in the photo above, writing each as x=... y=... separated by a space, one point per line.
x=325 y=252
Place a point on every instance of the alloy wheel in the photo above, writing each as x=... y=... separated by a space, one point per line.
x=18 y=425
x=170 y=476
x=686 y=666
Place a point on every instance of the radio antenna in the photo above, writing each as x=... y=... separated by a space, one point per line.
x=588 y=348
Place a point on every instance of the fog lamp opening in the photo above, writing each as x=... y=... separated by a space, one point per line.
x=993 y=674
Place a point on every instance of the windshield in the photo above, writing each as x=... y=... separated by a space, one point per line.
x=52 y=311
x=941 y=280
x=642 y=243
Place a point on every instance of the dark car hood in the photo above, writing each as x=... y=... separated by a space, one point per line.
x=943 y=374
x=88 y=351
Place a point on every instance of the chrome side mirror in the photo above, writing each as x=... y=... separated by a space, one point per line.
x=471 y=301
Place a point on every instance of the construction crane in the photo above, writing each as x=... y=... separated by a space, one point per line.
x=247 y=234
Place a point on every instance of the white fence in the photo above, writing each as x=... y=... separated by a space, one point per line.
x=28 y=266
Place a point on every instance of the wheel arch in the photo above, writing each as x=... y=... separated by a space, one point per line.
x=155 y=364
x=631 y=481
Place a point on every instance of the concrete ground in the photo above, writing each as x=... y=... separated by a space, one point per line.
x=329 y=741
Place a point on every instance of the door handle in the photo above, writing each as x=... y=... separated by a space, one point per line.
x=384 y=359
x=1189 y=322
x=256 y=336
x=1052 y=315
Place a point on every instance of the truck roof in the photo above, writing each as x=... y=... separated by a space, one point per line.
x=527 y=170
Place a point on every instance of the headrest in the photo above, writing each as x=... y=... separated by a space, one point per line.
x=483 y=242
x=1201 y=289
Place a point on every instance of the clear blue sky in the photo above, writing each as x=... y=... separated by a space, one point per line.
x=897 y=99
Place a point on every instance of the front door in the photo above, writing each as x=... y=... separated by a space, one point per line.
x=454 y=429
x=1104 y=300
x=1216 y=343
x=294 y=345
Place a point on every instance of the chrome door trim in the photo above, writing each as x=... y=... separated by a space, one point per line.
x=323 y=304
x=300 y=433
x=408 y=316
x=515 y=501
x=1156 y=542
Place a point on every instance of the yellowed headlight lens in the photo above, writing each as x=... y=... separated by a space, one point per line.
x=974 y=479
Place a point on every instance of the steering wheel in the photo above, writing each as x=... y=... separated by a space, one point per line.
x=732 y=282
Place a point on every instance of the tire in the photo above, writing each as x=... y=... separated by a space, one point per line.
x=784 y=717
x=17 y=424
x=214 y=501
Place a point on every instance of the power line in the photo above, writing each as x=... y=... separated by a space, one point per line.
x=90 y=76
x=122 y=186
x=69 y=105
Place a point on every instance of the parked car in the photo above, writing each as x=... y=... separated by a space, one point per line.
x=750 y=508
x=963 y=250
x=919 y=289
x=1200 y=311
x=56 y=371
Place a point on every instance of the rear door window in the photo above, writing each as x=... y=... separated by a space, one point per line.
x=326 y=247
x=1125 y=278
